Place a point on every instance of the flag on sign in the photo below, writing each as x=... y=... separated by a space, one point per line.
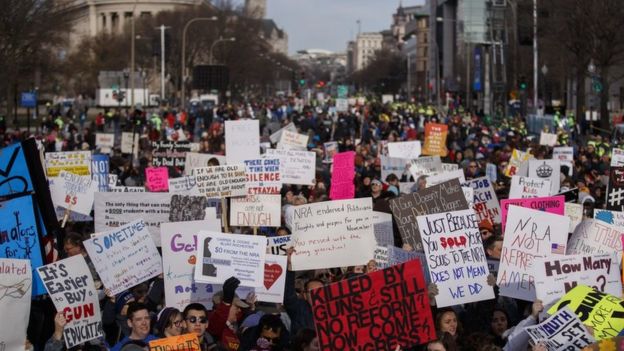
x=558 y=249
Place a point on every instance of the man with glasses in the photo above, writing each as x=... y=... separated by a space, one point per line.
x=139 y=321
x=196 y=321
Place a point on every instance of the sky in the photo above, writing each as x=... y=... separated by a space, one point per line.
x=330 y=24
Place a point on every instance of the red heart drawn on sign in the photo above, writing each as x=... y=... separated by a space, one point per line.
x=271 y=273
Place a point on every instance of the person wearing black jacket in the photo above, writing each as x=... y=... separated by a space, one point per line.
x=299 y=310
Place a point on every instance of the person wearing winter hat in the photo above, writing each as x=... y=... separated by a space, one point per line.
x=486 y=228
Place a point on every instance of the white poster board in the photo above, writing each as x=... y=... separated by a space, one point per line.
x=382 y=226
x=221 y=181
x=611 y=217
x=242 y=140
x=560 y=332
x=575 y=213
x=565 y=154
x=126 y=143
x=548 y=139
x=391 y=165
x=256 y=211
x=77 y=162
x=275 y=137
x=185 y=185
x=485 y=202
x=617 y=157
x=293 y=141
x=593 y=237
x=436 y=179
x=525 y=187
x=105 y=142
x=16 y=278
x=73 y=192
x=296 y=167
x=196 y=160
x=406 y=149
x=272 y=289
x=428 y=165
x=547 y=169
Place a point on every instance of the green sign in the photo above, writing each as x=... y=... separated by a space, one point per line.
x=342 y=91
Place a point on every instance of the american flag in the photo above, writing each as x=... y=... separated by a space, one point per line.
x=558 y=249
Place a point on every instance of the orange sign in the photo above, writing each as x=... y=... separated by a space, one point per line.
x=435 y=140
x=186 y=342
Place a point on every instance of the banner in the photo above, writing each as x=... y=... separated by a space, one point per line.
x=445 y=197
x=242 y=140
x=293 y=141
x=100 y=168
x=157 y=179
x=297 y=167
x=124 y=257
x=548 y=139
x=179 y=253
x=376 y=311
x=16 y=277
x=256 y=211
x=406 y=149
x=277 y=245
x=455 y=257
x=555 y=276
x=516 y=161
x=611 y=217
x=221 y=181
x=77 y=162
x=333 y=234
x=560 y=332
x=72 y=290
x=485 y=202
x=185 y=342
x=263 y=176
x=343 y=173
x=435 y=139
x=547 y=169
x=575 y=213
x=127 y=145
x=390 y=165
x=593 y=237
x=196 y=160
x=185 y=185
x=105 y=142
x=382 y=226
x=221 y=256
x=272 y=290
x=615 y=190
x=526 y=188
x=73 y=192
x=553 y=204
x=528 y=234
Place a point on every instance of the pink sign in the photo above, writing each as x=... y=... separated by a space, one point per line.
x=552 y=204
x=343 y=172
x=157 y=179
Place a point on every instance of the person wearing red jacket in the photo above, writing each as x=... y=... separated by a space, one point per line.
x=227 y=315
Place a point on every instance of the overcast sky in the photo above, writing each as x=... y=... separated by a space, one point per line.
x=330 y=24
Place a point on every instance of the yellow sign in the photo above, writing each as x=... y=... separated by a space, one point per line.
x=517 y=157
x=186 y=342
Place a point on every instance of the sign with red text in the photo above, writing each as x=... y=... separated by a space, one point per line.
x=435 y=139
x=553 y=204
x=455 y=257
x=157 y=179
x=17 y=279
x=221 y=181
x=381 y=310
x=485 y=202
x=242 y=140
x=343 y=172
x=526 y=188
x=256 y=211
x=592 y=236
x=73 y=192
x=263 y=176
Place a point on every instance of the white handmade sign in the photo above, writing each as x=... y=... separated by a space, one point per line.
x=293 y=141
x=185 y=185
x=242 y=140
x=391 y=165
x=593 y=237
x=263 y=176
x=436 y=179
x=105 y=142
x=77 y=162
x=548 y=139
x=196 y=160
x=406 y=149
x=575 y=213
x=611 y=217
x=484 y=202
x=565 y=154
x=277 y=245
x=221 y=181
x=296 y=167
x=561 y=332
x=15 y=288
x=126 y=143
x=525 y=187
x=272 y=289
x=256 y=211
x=617 y=157
x=547 y=169
x=275 y=137
x=73 y=192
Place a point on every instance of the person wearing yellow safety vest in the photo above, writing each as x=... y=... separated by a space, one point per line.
x=59 y=122
x=156 y=121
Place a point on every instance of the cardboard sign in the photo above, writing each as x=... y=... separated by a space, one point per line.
x=445 y=197
x=127 y=144
x=402 y=317
x=297 y=167
x=561 y=331
x=611 y=217
x=179 y=252
x=603 y=312
x=77 y=162
x=242 y=141
x=124 y=257
x=547 y=169
x=593 y=237
x=526 y=188
x=615 y=191
x=277 y=245
x=105 y=142
x=548 y=139
x=72 y=290
x=272 y=290
x=515 y=163
x=185 y=342
x=390 y=165
x=221 y=181
x=186 y=185
x=333 y=234
x=16 y=277
x=343 y=172
x=196 y=160
x=15 y=177
x=565 y=155
x=528 y=234
x=100 y=168
x=293 y=141
x=555 y=276
x=382 y=226
x=263 y=176
x=553 y=204
x=455 y=257
x=74 y=192
x=256 y=211
x=406 y=149
x=157 y=179
x=435 y=139
x=485 y=202
x=575 y=213
x=438 y=178
x=275 y=137
x=220 y=256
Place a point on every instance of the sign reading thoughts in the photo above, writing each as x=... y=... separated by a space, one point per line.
x=221 y=181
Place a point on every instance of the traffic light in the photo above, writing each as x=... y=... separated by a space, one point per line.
x=302 y=78
x=320 y=84
x=522 y=84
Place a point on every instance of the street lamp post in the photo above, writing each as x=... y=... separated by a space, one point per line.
x=126 y=75
x=220 y=40
x=132 y=55
x=144 y=76
x=183 y=73
x=544 y=73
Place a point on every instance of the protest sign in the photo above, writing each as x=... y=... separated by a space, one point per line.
x=438 y=178
x=187 y=208
x=548 y=139
x=124 y=257
x=526 y=188
x=342 y=105
x=381 y=257
x=444 y=197
x=491 y=171
x=565 y=154
x=575 y=213
x=552 y=204
x=343 y=172
x=126 y=189
x=221 y=181
x=382 y=226
x=615 y=191
x=528 y=234
x=277 y=245
x=185 y=185
x=16 y=277
x=74 y=192
x=435 y=139
x=397 y=256
x=617 y=157
x=611 y=217
x=330 y=148
x=593 y=237
x=555 y=276
x=157 y=179
x=72 y=290
x=127 y=146
x=448 y=167
x=77 y=162
x=105 y=142
x=221 y=256
x=516 y=161
x=100 y=167
x=382 y=148
x=179 y=253
x=469 y=195
x=170 y=153
x=406 y=187
x=256 y=211
x=196 y=160
x=560 y=332
x=293 y=141
x=455 y=257
x=242 y=140
x=390 y=165
x=547 y=169
x=351 y=314
x=603 y=312
x=113 y=210
x=296 y=167
x=112 y=179
x=184 y=342
x=275 y=137
x=263 y=176
x=406 y=149
x=272 y=290
x=485 y=202
x=333 y=234
x=15 y=176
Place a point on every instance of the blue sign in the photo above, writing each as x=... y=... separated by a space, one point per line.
x=29 y=99
x=99 y=171
x=14 y=175
x=476 y=83
x=19 y=237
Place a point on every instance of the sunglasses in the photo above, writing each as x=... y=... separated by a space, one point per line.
x=201 y=320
